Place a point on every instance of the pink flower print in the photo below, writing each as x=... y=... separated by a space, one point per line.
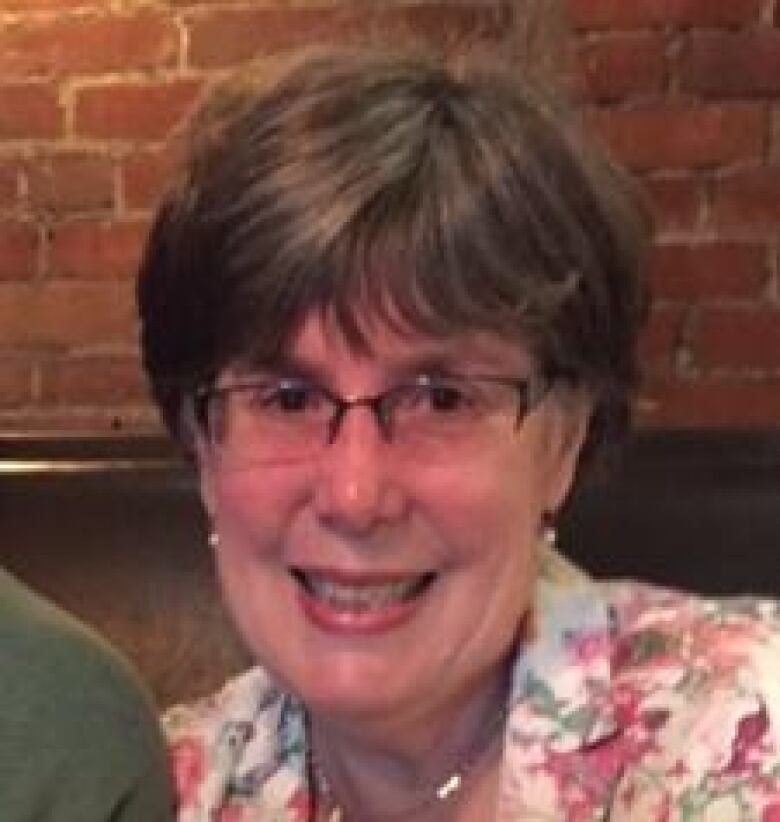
x=655 y=719
x=587 y=646
x=646 y=648
x=678 y=771
x=230 y=813
x=750 y=730
x=720 y=647
x=579 y=810
x=606 y=761
x=186 y=760
x=627 y=700
x=771 y=813
x=301 y=806
x=636 y=803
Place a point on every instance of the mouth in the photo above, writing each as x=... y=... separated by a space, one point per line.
x=362 y=595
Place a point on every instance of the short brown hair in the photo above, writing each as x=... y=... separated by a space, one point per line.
x=442 y=197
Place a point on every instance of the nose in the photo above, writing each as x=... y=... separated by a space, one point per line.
x=355 y=487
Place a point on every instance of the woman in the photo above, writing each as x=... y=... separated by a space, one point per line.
x=391 y=308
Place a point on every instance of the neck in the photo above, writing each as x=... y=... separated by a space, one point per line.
x=385 y=769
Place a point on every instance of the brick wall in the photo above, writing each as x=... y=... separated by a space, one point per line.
x=687 y=93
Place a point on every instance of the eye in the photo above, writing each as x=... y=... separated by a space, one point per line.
x=446 y=396
x=284 y=396
x=441 y=395
x=292 y=397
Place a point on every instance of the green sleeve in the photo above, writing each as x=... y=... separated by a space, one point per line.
x=79 y=740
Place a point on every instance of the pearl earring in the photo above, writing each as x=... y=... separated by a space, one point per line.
x=214 y=539
x=549 y=534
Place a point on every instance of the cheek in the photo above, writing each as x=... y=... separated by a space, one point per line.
x=491 y=529
x=495 y=501
x=247 y=507
x=250 y=516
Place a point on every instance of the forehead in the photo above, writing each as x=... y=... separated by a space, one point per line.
x=321 y=343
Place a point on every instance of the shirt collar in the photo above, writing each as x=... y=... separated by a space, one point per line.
x=560 y=698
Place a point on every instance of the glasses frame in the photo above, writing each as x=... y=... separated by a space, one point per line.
x=531 y=390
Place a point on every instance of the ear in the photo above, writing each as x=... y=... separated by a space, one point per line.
x=202 y=455
x=570 y=411
x=204 y=462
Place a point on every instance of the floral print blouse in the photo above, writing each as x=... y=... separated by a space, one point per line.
x=630 y=702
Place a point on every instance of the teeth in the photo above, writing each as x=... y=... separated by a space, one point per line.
x=362 y=597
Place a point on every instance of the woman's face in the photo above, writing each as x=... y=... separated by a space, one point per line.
x=370 y=577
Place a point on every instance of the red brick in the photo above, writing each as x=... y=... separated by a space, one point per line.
x=9 y=185
x=662 y=338
x=612 y=67
x=710 y=270
x=748 y=200
x=724 y=403
x=18 y=250
x=223 y=36
x=145 y=176
x=56 y=5
x=92 y=381
x=773 y=150
x=733 y=64
x=86 y=249
x=683 y=137
x=29 y=111
x=135 y=111
x=737 y=338
x=71 y=182
x=676 y=201
x=87 y=45
x=442 y=23
x=62 y=314
x=15 y=382
x=639 y=13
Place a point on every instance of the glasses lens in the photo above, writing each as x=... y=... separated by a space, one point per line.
x=270 y=421
x=451 y=411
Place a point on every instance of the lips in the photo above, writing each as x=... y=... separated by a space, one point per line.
x=364 y=595
x=336 y=601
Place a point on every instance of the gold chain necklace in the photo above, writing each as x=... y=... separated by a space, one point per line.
x=446 y=789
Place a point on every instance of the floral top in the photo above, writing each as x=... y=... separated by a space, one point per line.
x=630 y=702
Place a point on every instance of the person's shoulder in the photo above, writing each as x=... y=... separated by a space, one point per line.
x=78 y=732
x=656 y=627
x=684 y=647
x=697 y=683
x=50 y=649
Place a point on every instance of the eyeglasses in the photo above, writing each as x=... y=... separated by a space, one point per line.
x=272 y=420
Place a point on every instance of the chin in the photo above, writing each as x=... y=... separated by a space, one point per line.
x=354 y=687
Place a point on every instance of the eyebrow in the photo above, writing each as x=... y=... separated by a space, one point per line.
x=438 y=363
x=285 y=366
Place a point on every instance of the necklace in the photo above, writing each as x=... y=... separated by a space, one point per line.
x=445 y=789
